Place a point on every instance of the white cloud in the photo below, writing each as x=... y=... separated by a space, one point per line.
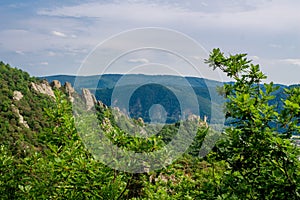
x=20 y=52
x=265 y=15
x=123 y=11
x=139 y=60
x=44 y=63
x=51 y=53
x=59 y=34
x=275 y=45
x=293 y=61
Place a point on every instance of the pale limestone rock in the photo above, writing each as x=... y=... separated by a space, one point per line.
x=101 y=104
x=55 y=84
x=204 y=123
x=193 y=117
x=205 y=119
x=140 y=120
x=17 y=96
x=43 y=88
x=21 y=118
x=69 y=90
x=88 y=98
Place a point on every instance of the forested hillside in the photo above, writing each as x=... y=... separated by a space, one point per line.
x=103 y=86
x=208 y=99
x=17 y=98
x=47 y=159
x=44 y=154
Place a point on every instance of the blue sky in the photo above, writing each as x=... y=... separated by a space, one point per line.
x=54 y=37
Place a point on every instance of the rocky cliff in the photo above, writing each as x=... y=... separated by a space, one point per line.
x=48 y=89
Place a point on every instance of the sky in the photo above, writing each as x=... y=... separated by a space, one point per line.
x=57 y=37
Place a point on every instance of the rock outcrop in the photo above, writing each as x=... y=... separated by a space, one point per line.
x=88 y=98
x=43 y=88
x=69 y=90
x=204 y=123
x=101 y=104
x=193 y=117
x=21 y=118
x=55 y=84
x=197 y=118
x=17 y=96
x=141 y=121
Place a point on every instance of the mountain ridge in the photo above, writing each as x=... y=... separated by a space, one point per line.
x=70 y=78
x=189 y=88
x=105 y=86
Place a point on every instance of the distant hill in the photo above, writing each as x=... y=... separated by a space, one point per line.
x=146 y=90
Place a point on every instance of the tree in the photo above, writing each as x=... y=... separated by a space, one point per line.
x=262 y=163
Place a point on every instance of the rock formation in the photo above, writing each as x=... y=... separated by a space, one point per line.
x=69 y=90
x=43 y=88
x=88 y=98
x=204 y=123
x=17 y=96
x=55 y=84
x=193 y=117
x=141 y=121
x=101 y=104
x=21 y=118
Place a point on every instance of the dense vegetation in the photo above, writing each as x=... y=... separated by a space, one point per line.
x=14 y=135
x=260 y=162
x=253 y=160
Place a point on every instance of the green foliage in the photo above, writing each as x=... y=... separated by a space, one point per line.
x=49 y=160
x=261 y=162
x=19 y=139
x=62 y=170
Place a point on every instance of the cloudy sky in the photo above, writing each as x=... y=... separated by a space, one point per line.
x=55 y=37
